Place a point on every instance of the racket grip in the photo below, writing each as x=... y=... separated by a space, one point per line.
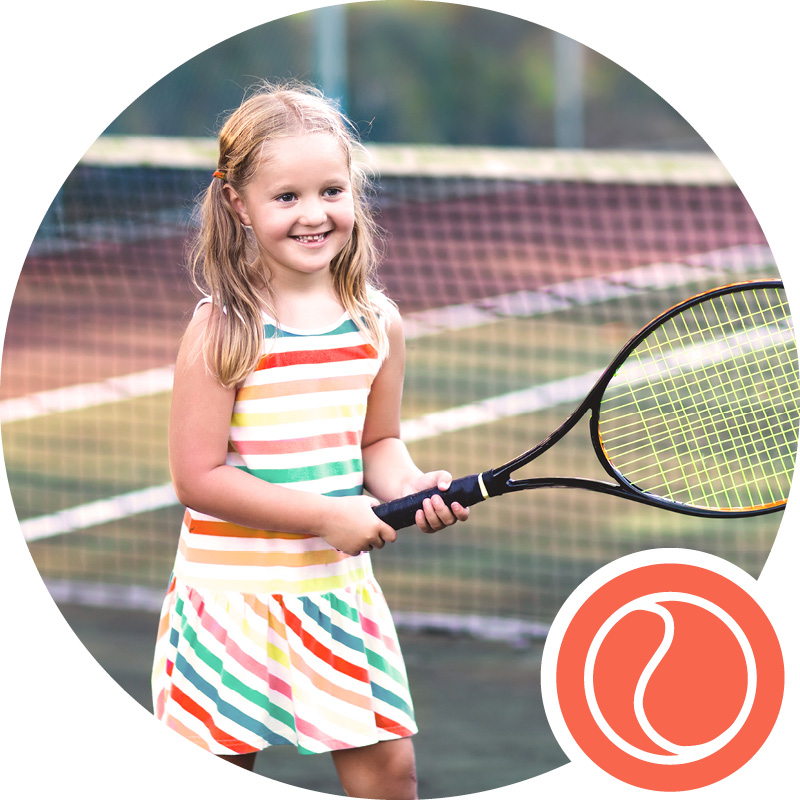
x=400 y=513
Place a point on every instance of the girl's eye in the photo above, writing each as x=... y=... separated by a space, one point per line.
x=332 y=192
x=285 y=198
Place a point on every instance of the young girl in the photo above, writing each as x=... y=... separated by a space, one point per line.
x=286 y=405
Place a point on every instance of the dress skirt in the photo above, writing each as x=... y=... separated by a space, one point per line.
x=236 y=673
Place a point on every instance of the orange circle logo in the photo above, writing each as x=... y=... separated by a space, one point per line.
x=663 y=670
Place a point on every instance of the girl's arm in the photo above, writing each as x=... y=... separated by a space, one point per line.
x=198 y=443
x=389 y=471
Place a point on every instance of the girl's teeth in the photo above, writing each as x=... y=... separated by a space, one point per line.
x=318 y=238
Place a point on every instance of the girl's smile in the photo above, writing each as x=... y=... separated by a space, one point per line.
x=317 y=238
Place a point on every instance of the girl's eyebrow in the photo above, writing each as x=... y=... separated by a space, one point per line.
x=288 y=188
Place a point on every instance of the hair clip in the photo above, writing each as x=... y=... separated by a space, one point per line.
x=221 y=175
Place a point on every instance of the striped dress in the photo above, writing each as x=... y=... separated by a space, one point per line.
x=272 y=638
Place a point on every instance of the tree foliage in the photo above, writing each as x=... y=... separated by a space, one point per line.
x=418 y=73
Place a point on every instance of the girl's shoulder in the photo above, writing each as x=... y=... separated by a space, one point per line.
x=383 y=306
x=206 y=315
x=388 y=319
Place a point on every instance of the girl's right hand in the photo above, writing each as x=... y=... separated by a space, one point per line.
x=352 y=527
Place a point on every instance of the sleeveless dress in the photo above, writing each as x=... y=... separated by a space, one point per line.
x=272 y=638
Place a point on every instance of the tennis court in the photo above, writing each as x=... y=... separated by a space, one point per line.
x=519 y=275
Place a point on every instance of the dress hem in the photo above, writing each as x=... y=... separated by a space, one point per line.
x=398 y=732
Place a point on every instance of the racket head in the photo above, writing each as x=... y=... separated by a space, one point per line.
x=700 y=410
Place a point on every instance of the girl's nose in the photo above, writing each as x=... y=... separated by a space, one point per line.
x=312 y=212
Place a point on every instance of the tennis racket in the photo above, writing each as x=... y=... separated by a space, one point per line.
x=698 y=413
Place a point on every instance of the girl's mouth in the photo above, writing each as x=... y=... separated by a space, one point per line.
x=314 y=239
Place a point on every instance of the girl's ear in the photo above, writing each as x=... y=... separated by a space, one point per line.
x=237 y=203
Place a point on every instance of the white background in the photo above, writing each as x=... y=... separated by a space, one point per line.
x=69 y=68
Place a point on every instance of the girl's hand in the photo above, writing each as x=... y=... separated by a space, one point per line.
x=435 y=514
x=352 y=527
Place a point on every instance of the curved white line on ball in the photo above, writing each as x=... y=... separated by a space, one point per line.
x=677 y=754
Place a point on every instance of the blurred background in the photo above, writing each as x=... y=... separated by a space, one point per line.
x=424 y=73
x=540 y=205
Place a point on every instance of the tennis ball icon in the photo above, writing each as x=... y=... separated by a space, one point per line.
x=668 y=676
x=653 y=679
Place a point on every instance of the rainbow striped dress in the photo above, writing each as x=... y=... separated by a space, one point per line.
x=271 y=638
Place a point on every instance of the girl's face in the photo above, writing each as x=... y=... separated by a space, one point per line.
x=299 y=205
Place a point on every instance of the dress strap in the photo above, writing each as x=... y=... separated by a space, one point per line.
x=208 y=299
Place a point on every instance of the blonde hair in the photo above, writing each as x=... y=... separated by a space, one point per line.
x=224 y=262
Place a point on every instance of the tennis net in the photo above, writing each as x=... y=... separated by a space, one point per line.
x=519 y=273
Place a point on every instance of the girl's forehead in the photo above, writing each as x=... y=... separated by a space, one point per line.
x=315 y=145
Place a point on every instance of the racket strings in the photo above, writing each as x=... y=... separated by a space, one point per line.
x=723 y=460
x=786 y=389
x=778 y=439
x=705 y=409
x=768 y=429
x=739 y=479
x=692 y=384
x=772 y=412
x=778 y=312
x=720 y=461
x=718 y=464
x=688 y=466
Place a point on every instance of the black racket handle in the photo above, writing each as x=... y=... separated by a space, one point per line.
x=400 y=513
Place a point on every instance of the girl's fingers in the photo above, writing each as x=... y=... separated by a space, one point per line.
x=435 y=515
x=422 y=523
x=444 y=480
x=444 y=514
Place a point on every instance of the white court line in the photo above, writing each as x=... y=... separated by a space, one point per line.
x=87 y=395
x=555 y=297
x=99 y=512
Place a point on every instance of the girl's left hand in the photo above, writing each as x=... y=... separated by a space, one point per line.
x=435 y=514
